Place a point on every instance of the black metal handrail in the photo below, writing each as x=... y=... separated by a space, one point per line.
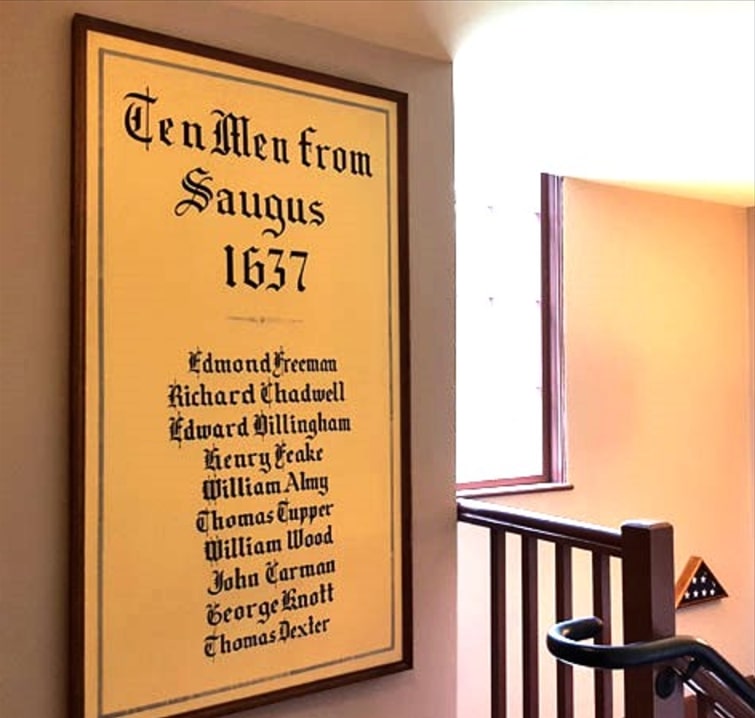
x=564 y=642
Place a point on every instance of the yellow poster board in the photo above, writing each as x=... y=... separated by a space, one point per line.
x=240 y=379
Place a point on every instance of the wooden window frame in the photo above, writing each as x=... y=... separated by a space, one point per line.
x=553 y=384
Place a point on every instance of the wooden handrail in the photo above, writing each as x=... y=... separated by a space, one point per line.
x=711 y=693
x=543 y=526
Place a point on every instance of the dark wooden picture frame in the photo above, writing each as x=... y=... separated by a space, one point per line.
x=240 y=457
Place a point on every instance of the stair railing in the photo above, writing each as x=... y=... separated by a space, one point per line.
x=688 y=660
x=648 y=612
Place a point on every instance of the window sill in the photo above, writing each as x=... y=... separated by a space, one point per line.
x=515 y=489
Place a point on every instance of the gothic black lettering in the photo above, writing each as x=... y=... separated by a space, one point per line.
x=195 y=183
x=239 y=547
x=276 y=363
x=278 y=212
x=276 y=572
x=292 y=599
x=283 y=455
x=234 y=487
x=260 y=611
x=302 y=482
x=237 y=580
x=277 y=393
x=182 y=395
x=326 y=157
x=278 y=424
x=136 y=118
x=181 y=429
x=219 y=644
x=212 y=520
x=287 y=512
x=288 y=630
x=214 y=460
x=299 y=538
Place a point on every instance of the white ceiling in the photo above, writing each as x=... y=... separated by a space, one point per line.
x=657 y=94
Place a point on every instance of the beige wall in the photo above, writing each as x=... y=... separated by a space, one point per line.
x=34 y=253
x=659 y=401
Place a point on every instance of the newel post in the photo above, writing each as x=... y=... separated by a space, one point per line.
x=649 y=611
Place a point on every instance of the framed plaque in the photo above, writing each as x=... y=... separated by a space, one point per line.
x=240 y=453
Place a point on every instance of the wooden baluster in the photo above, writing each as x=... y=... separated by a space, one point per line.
x=530 y=630
x=601 y=606
x=498 y=623
x=649 y=612
x=564 y=672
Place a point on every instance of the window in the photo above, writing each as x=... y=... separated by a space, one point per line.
x=509 y=372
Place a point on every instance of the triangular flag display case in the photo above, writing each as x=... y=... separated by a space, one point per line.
x=697 y=584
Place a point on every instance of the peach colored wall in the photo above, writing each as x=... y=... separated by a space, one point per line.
x=659 y=402
x=34 y=251
x=751 y=324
